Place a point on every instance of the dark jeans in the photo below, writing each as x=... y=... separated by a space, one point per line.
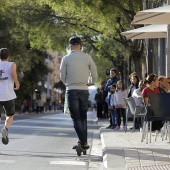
x=105 y=108
x=121 y=112
x=78 y=106
x=99 y=110
x=113 y=117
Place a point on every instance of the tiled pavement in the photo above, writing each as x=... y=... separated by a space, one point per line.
x=125 y=151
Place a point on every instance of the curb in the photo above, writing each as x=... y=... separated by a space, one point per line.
x=110 y=161
x=96 y=158
x=104 y=153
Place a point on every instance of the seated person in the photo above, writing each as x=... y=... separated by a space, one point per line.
x=163 y=84
x=152 y=87
x=138 y=97
x=168 y=87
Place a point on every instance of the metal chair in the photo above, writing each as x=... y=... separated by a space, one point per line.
x=137 y=112
x=159 y=110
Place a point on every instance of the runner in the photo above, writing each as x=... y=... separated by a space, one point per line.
x=8 y=76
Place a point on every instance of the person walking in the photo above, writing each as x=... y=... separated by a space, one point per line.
x=8 y=77
x=75 y=71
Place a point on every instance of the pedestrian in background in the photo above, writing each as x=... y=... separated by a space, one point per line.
x=120 y=104
x=111 y=107
x=134 y=84
x=99 y=101
x=8 y=77
x=112 y=80
x=75 y=70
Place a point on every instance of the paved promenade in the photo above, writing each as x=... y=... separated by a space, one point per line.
x=125 y=151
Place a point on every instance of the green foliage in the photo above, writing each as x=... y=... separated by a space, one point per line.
x=44 y=25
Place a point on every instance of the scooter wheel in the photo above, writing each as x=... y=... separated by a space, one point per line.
x=79 y=149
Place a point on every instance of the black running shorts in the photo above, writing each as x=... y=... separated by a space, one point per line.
x=8 y=107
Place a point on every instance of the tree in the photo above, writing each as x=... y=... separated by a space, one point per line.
x=40 y=25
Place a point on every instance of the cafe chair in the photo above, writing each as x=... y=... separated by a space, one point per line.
x=159 y=110
x=137 y=112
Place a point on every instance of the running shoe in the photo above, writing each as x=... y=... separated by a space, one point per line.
x=4 y=133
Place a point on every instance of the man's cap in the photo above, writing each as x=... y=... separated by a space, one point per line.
x=75 y=40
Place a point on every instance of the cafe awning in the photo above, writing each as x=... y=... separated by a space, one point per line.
x=159 y=15
x=150 y=31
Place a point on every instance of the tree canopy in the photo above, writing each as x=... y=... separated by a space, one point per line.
x=32 y=26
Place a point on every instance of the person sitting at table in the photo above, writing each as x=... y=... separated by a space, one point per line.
x=152 y=87
x=163 y=84
x=138 y=97
x=137 y=94
x=168 y=87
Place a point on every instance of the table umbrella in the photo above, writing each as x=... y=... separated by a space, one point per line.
x=159 y=15
x=150 y=31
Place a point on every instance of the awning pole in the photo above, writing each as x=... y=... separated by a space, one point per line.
x=168 y=53
x=168 y=48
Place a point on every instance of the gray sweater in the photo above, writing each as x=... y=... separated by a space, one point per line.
x=75 y=70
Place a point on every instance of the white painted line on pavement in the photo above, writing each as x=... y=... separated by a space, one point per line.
x=68 y=163
x=7 y=161
x=62 y=134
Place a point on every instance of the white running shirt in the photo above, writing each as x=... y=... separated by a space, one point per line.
x=6 y=82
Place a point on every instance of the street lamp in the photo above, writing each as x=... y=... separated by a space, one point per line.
x=48 y=87
x=38 y=90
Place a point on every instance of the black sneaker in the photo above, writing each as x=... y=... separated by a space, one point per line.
x=113 y=126
x=109 y=127
x=4 y=133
